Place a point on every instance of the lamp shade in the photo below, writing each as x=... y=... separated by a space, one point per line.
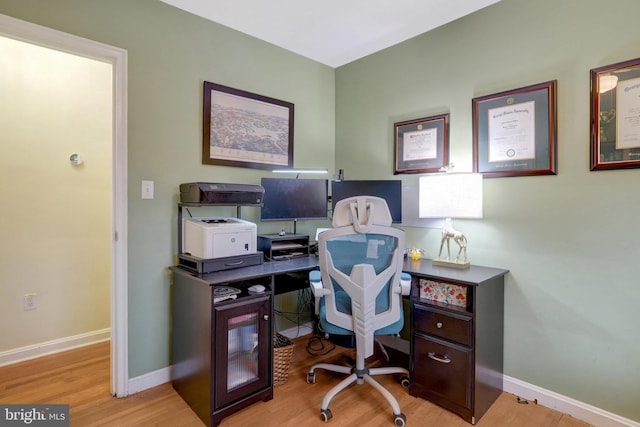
x=450 y=195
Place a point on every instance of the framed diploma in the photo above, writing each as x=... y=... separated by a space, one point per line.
x=615 y=116
x=245 y=129
x=421 y=145
x=514 y=132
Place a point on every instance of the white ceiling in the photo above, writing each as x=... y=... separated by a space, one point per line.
x=332 y=32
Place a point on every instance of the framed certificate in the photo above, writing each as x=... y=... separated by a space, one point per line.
x=514 y=132
x=421 y=145
x=615 y=116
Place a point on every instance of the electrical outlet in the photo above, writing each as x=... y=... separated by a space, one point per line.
x=30 y=302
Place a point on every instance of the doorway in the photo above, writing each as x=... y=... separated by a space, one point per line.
x=44 y=262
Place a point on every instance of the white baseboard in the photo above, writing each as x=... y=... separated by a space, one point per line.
x=161 y=376
x=22 y=354
x=149 y=380
x=298 y=331
x=579 y=410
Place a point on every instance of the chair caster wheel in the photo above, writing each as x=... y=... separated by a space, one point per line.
x=311 y=378
x=399 y=420
x=405 y=382
x=325 y=415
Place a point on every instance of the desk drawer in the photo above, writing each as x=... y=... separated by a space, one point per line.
x=444 y=370
x=443 y=325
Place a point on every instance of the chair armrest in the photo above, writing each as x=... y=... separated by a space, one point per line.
x=405 y=283
x=315 y=281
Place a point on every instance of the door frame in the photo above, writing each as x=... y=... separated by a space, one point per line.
x=46 y=37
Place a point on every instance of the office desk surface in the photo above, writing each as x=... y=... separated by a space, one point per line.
x=474 y=275
x=269 y=268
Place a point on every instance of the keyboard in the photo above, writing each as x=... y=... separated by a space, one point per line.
x=221 y=293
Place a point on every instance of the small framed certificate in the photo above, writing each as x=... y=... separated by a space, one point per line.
x=615 y=116
x=514 y=132
x=421 y=145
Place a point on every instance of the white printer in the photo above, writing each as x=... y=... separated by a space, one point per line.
x=209 y=238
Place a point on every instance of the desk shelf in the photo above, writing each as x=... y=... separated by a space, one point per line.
x=276 y=247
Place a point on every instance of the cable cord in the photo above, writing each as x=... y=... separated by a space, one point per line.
x=318 y=345
x=304 y=305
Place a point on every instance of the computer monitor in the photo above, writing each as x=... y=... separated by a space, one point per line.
x=389 y=190
x=294 y=199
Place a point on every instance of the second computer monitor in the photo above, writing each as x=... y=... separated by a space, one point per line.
x=389 y=190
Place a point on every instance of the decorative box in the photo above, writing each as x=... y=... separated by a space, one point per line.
x=447 y=293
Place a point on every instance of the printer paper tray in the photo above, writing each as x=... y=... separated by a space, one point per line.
x=203 y=266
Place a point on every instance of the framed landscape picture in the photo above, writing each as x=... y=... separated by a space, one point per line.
x=245 y=129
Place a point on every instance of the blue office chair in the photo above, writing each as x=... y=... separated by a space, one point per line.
x=358 y=290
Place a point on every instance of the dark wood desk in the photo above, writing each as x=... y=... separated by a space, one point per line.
x=467 y=384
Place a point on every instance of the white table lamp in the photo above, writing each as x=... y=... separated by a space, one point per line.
x=451 y=195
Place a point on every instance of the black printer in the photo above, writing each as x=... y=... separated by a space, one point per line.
x=221 y=193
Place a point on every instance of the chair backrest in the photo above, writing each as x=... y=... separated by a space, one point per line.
x=362 y=256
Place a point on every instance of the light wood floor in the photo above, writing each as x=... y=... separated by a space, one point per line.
x=80 y=378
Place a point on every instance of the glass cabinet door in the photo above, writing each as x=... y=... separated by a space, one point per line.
x=243 y=343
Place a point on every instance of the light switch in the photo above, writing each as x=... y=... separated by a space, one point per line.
x=147 y=189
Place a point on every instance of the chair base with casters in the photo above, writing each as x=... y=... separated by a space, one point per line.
x=360 y=375
x=358 y=290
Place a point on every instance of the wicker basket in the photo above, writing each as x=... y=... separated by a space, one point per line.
x=282 y=352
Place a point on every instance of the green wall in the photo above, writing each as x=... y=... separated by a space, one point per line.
x=570 y=241
x=170 y=54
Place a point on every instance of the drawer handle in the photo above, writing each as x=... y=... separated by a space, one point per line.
x=439 y=325
x=438 y=357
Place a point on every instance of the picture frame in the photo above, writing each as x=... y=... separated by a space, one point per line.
x=614 y=122
x=421 y=145
x=244 y=129
x=515 y=132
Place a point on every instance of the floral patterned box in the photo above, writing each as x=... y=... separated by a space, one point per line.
x=443 y=292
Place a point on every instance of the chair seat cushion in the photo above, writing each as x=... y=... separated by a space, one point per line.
x=343 y=304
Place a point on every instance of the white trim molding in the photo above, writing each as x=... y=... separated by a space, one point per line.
x=298 y=331
x=149 y=380
x=29 y=352
x=161 y=376
x=579 y=410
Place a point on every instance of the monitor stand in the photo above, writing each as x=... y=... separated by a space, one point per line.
x=295 y=231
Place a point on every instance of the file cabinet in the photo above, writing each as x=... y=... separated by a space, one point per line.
x=456 y=351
